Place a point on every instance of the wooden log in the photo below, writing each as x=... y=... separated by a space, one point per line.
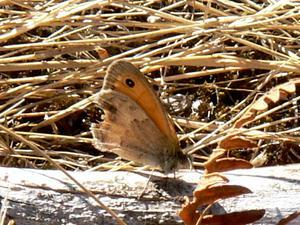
x=35 y=197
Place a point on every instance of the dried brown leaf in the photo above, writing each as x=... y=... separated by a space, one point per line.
x=204 y=196
x=289 y=218
x=262 y=104
x=237 y=142
x=234 y=218
x=189 y=215
x=226 y=164
x=208 y=195
x=212 y=179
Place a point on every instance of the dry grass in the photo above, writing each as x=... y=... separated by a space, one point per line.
x=221 y=55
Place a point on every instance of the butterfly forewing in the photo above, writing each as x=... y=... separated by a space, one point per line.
x=127 y=79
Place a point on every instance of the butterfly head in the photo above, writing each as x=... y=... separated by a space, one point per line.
x=171 y=163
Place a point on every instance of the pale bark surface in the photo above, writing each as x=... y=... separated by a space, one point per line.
x=35 y=197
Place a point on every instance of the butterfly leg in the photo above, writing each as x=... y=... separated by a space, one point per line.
x=146 y=185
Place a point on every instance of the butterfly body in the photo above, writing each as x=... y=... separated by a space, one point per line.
x=135 y=126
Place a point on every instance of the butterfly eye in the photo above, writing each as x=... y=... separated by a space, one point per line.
x=130 y=83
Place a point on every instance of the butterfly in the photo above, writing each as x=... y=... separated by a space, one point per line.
x=136 y=126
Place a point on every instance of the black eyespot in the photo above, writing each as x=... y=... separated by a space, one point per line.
x=130 y=83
